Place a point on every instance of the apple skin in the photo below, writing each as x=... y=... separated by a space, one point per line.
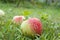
x=2 y=13
x=31 y=27
x=18 y=19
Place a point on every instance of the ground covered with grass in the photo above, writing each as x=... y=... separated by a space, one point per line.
x=49 y=16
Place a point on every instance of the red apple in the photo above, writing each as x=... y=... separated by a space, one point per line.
x=18 y=19
x=31 y=27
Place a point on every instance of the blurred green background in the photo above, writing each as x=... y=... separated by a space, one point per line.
x=48 y=11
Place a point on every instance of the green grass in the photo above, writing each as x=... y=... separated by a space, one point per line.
x=49 y=16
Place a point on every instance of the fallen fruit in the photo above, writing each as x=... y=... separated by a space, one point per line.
x=31 y=27
x=18 y=19
x=2 y=13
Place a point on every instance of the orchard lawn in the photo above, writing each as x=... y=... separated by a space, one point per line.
x=50 y=17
